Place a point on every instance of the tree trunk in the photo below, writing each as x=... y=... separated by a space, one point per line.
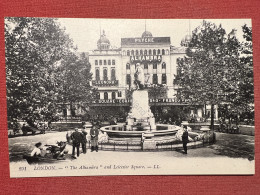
x=212 y=117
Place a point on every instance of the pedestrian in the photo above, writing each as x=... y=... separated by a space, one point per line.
x=76 y=138
x=84 y=141
x=185 y=138
x=94 y=138
x=37 y=150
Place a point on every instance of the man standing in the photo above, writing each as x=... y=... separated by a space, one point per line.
x=84 y=141
x=76 y=138
x=94 y=138
x=185 y=139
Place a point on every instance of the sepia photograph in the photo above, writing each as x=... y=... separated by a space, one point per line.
x=89 y=97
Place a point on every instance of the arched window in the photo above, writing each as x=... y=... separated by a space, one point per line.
x=97 y=75
x=97 y=95
x=127 y=66
x=113 y=95
x=163 y=52
x=105 y=74
x=163 y=65
x=106 y=96
x=113 y=74
x=136 y=53
x=164 y=79
x=158 y=52
x=154 y=52
x=155 y=79
x=141 y=52
x=132 y=52
x=150 y=52
x=145 y=52
x=128 y=53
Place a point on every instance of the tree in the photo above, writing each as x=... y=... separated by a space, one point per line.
x=36 y=50
x=245 y=100
x=74 y=82
x=211 y=69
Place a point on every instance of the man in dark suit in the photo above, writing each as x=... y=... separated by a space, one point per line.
x=94 y=138
x=185 y=139
x=76 y=138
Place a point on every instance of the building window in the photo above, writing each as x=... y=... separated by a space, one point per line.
x=154 y=65
x=119 y=94
x=154 y=52
x=96 y=62
x=145 y=52
x=145 y=66
x=97 y=95
x=105 y=74
x=167 y=52
x=113 y=95
x=136 y=53
x=141 y=52
x=109 y=62
x=128 y=79
x=124 y=53
x=97 y=75
x=113 y=74
x=163 y=65
x=113 y=62
x=163 y=52
x=164 y=79
x=155 y=79
x=132 y=52
x=127 y=66
x=105 y=62
x=128 y=53
x=150 y=52
x=158 y=52
x=100 y=62
x=106 y=96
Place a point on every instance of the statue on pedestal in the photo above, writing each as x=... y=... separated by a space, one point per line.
x=139 y=77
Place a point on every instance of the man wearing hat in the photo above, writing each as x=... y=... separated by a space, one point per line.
x=94 y=138
x=76 y=138
x=37 y=150
x=185 y=138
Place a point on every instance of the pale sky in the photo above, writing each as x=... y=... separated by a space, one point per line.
x=86 y=32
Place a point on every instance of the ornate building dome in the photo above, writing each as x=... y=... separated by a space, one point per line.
x=147 y=34
x=103 y=43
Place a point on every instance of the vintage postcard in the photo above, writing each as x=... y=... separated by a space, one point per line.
x=129 y=96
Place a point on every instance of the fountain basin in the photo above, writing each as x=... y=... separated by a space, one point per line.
x=120 y=132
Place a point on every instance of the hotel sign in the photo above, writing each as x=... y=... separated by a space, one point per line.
x=146 y=41
x=102 y=83
x=146 y=58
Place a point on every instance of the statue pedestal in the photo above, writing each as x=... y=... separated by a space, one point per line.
x=140 y=105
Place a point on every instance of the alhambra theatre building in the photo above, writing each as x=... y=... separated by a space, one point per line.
x=113 y=73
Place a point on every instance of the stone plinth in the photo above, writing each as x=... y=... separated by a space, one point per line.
x=140 y=105
x=149 y=144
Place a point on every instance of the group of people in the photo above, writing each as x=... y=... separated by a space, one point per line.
x=80 y=138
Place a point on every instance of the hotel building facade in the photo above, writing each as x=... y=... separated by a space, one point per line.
x=113 y=73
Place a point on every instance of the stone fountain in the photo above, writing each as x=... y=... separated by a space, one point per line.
x=140 y=124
